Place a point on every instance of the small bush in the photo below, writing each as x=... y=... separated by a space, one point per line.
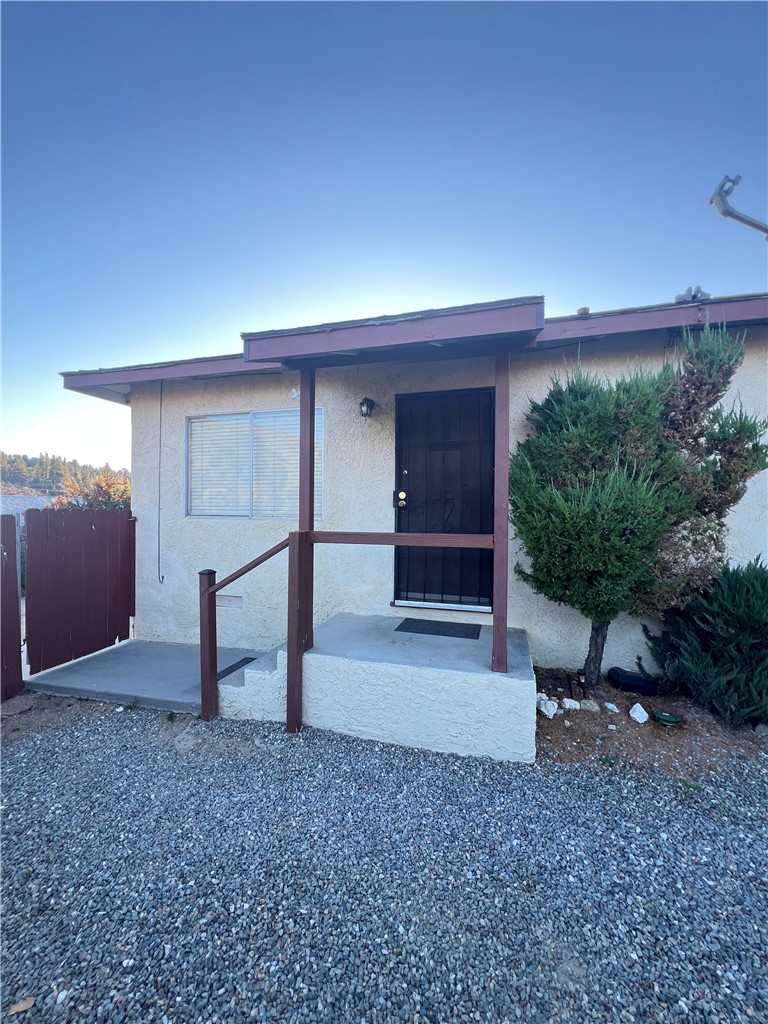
x=717 y=646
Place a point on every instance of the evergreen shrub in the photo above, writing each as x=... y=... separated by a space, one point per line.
x=717 y=646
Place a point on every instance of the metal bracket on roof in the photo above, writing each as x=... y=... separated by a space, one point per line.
x=720 y=201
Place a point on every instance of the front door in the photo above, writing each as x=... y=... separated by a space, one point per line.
x=444 y=467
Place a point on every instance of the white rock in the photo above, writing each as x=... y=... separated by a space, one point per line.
x=612 y=707
x=548 y=708
x=612 y=728
x=566 y=722
x=119 y=708
x=62 y=996
x=559 y=711
x=590 y=705
x=570 y=705
x=541 y=696
x=638 y=714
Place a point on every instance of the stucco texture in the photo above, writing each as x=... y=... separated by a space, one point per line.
x=358 y=484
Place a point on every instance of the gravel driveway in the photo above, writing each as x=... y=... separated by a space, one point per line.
x=158 y=871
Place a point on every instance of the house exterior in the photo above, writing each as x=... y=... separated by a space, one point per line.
x=216 y=464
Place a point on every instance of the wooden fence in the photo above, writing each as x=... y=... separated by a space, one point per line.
x=10 y=619
x=80 y=582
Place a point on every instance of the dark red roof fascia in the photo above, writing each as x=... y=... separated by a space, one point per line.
x=484 y=321
x=223 y=366
x=734 y=311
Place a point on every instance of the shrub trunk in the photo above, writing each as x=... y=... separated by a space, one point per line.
x=595 y=654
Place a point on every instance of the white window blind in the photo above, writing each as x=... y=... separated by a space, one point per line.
x=219 y=471
x=276 y=464
x=248 y=465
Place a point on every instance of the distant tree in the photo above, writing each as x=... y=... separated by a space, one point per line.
x=19 y=471
x=107 y=490
x=48 y=474
x=620 y=495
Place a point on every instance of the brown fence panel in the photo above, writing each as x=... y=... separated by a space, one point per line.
x=10 y=613
x=80 y=582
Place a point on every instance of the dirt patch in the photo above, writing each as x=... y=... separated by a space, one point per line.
x=191 y=738
x=31 y=712
x=183 y=733
x=694 y=747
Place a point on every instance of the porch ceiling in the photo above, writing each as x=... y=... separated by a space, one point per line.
x=455 y=332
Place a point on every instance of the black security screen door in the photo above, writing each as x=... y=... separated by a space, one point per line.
x=444 y=467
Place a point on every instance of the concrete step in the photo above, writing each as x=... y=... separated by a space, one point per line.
x=364 y=679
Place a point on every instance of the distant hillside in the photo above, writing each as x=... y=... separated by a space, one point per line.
x=46 y=474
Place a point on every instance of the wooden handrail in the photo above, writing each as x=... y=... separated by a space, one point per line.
x=251 y=565
x=209 y=662
x=299 y=544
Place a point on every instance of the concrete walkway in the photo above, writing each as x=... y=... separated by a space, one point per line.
x=151 y=675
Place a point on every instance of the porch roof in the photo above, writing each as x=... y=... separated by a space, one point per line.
x=482 y=328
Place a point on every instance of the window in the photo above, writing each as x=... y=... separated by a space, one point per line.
x=248 y=465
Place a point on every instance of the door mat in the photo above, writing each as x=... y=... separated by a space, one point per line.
x=461 y=630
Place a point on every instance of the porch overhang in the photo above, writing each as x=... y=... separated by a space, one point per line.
x=481 y=329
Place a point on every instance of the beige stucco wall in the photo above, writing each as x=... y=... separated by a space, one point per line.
x=358 y=484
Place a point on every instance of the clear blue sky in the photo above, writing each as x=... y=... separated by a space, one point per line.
x=175 y=173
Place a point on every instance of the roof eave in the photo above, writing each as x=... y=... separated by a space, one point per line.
x=734 y=311
x=114 y=384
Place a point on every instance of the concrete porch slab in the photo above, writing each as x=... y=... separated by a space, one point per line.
x=153 y=675
x=365 y=679
x=375 y=638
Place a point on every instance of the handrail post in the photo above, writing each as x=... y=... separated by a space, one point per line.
x=209 y=669
x=296 y=630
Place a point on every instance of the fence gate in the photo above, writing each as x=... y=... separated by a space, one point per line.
x=10 y=614
x=80 y=582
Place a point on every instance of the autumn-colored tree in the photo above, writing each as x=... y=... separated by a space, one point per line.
x=107 y=490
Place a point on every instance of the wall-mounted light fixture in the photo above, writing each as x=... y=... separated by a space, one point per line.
x=367 y=405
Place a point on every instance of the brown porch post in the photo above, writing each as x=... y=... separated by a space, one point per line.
x=209 y=684
x=307 y=495
x=501 y=515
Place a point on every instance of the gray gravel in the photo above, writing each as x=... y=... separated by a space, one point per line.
x=235 y=873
